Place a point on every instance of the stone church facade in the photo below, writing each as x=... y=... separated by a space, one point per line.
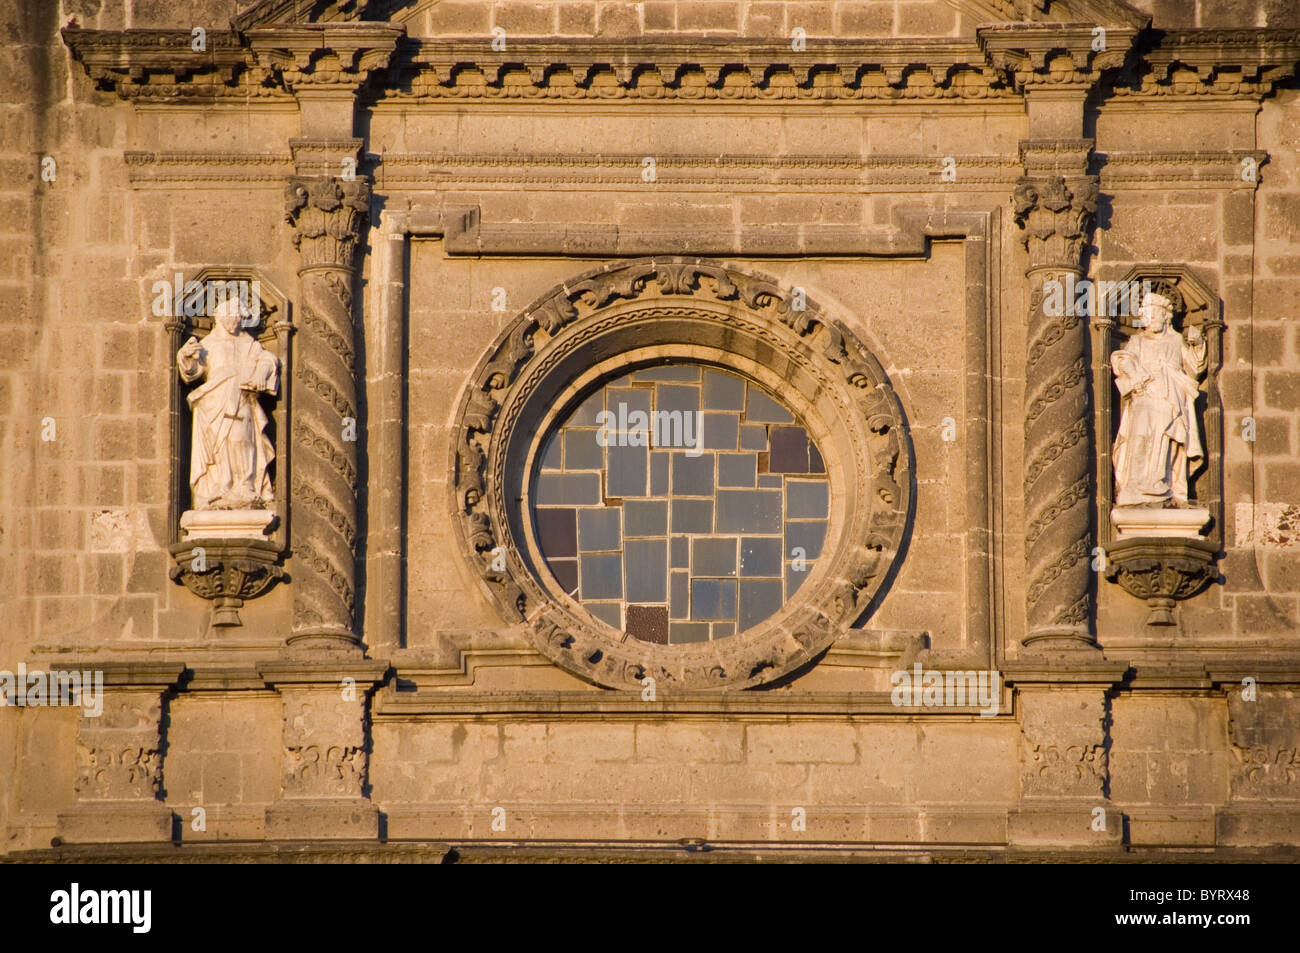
x=601 y=428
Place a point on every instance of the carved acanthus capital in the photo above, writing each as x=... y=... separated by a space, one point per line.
x=1056 y=216
x=327 y=214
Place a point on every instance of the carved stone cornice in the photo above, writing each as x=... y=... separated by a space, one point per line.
x=1055 y=215
x=620 y=169
x=321 y=157
x=1006 y=61
x=697 y=68
x=327 y=215
x=208 y=167
x=162 y=64
x=1220 y=63
x=1037 y=56
x=128 y=674
x=323 y=55
x=1155 y=170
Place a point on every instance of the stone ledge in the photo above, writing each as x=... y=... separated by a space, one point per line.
x=423 y=852
x=120 y=672
x=1159 y=828
x=322 y=668
x=1065 y=824
x=1088 y=669
x=289 y=852
x=877 y=706
x=859 y=826
x=322 y=819
x=116 y=821
x=1245 y=826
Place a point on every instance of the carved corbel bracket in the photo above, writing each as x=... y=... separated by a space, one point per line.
x=227 y=572
x=1040 y=56
x=1161 y=571
x=323 y=55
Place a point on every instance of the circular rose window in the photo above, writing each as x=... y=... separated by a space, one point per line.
x=675 y=468
x=680 y=503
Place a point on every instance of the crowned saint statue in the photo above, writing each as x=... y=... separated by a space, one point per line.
x=1156 y=373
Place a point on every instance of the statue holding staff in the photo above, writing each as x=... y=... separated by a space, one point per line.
x=1156 y=372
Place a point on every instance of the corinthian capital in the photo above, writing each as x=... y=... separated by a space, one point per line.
x=1056 y=215
x=327 y=214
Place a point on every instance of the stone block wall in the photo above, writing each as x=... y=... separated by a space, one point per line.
x=449 y=722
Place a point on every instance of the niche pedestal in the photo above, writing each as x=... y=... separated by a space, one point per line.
x=1160 y=556
x=227 y=557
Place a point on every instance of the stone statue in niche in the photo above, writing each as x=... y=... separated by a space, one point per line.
x=1159 y=440
x=231 y=454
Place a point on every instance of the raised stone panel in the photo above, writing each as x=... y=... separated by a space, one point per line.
x=1164 y=752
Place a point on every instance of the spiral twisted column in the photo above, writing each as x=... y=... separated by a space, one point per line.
x=1056 y=213
x=328 y=215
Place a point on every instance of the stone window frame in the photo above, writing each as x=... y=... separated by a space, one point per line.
x=461 y=231
x=632 y=312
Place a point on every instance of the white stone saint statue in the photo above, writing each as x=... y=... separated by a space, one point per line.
x=231 y=453
x=1156 y=372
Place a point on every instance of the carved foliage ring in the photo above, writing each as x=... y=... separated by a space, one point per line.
x=653 y=310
